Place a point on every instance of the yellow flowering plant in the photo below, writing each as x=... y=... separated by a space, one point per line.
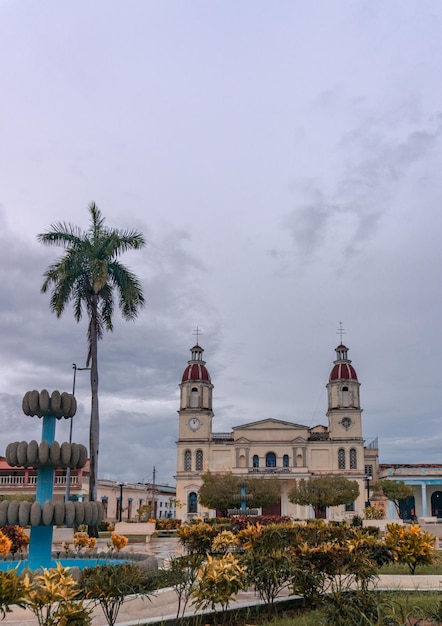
x=219 y=581
x=118 y=542
x=5 y=544
x=410 y=545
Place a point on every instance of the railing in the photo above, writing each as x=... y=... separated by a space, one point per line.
x=61 y=481
x=222 y=436
x=6 y=481
x=19 y=481
x=269 y=470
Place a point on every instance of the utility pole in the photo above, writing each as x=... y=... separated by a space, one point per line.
x=153 y=495
x=68 y=469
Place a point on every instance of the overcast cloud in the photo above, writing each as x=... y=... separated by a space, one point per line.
x=284 y=163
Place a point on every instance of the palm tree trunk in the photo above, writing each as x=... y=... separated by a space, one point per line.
x=94 y=432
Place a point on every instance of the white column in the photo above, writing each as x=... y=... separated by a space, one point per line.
x=424 y=499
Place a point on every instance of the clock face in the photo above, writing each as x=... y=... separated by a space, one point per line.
x=194 y=423
x=346 y=422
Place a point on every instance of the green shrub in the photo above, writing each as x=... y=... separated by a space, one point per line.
x=53 y=597
x=410 y=545
x=109 y=585
x=11 y=591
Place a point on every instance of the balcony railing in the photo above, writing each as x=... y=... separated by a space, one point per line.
x=19 y=481
x=270 y=470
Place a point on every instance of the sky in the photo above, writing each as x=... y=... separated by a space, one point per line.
x=283 y=161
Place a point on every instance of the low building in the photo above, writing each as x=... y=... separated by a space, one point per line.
x=426 y=480
x=159 y=500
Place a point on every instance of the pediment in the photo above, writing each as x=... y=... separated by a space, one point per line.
x=300 y=440
x=270 y=423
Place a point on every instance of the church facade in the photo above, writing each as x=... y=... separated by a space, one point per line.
x=273 y=447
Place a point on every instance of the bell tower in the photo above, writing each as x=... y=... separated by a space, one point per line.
x=196 y=398
x=344 y=409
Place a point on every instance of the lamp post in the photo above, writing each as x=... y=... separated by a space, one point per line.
x=367 y=484
x=68 y=469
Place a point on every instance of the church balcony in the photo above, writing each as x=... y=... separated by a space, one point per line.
x=270 y=470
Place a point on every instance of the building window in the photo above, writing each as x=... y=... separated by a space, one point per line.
x=194 y=398
x=341 y=458
x=285 y=460
x=255 y=460
x=349 y=507
x=344 y=396
x=270 y=459
x=192 y=502
x=187 y=461
x=368 y=469
x=353 y=459
x=199 y=460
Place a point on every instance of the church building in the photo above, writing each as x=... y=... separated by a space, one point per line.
x=273 y=447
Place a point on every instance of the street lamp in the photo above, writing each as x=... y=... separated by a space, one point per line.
x=68 y=469
x=367 y=485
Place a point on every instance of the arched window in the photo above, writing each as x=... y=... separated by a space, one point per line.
x=255 y=460
x=341 y=458
x=192 y=501
x=187 y=461
x=199 y=460
x=344 y=396
x=194 y=398
x=285 y=460
x=270 y=459
x=353 y=459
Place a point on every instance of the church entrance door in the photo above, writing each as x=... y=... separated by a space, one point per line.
x=272 y=509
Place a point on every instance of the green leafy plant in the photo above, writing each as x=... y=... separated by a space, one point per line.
x=197 y=537
x=410 y=545
x=374 y=512
x=324 y=491
x=109 y=585
x=11 y=591
x=182 y=575
x=53 y=597
x=219 y=580
x=395 y=491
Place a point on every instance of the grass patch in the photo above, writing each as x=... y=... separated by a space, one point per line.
x=399 y=608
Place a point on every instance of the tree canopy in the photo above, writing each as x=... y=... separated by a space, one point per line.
x=324 y=491
x=90 y=276
x=222 y=491
x=396 y=492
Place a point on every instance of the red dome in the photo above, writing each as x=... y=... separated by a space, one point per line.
x=196 y=369
x=343 y=371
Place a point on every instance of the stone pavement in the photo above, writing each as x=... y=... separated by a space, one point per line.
x=163 y=605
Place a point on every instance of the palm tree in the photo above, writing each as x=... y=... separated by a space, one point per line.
x=88 y=274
